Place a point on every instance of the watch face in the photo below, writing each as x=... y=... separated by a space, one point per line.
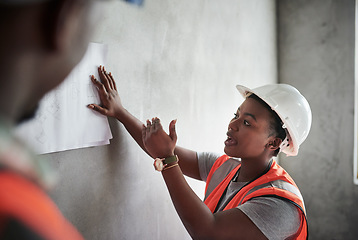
x=158 y=164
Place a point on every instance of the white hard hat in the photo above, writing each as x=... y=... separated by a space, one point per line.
x=291 y=107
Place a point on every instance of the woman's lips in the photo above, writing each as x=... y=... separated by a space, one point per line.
x=230 y=141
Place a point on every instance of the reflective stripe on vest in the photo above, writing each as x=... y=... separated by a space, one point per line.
x=276 y=183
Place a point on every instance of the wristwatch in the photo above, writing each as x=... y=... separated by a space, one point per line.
x=170 y=159
x=161 y=164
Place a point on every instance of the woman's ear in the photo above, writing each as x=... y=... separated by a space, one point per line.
x=274 y=144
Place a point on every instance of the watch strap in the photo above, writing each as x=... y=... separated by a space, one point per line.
x=170 y=159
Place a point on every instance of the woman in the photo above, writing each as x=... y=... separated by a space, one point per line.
x=248 y=196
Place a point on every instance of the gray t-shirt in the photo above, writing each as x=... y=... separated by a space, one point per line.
x=276 y=218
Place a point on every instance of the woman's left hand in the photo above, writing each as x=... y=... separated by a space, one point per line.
x=157 y=142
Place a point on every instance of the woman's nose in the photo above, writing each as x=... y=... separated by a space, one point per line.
x=233 y=125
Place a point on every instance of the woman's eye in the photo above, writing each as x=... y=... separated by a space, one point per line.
x=246 y=123
x=236 y=116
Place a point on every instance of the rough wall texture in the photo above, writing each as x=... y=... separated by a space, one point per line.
x=173 y=59
x=316 y=54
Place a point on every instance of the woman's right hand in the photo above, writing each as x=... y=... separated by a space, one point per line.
x=156 y=141
x=111 y=104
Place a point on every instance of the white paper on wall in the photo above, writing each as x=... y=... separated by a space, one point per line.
x=63 y=121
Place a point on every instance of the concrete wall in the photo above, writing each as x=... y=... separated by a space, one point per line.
x=316 y=54
x=173 y=59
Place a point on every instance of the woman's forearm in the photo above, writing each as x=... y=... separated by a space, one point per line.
x=195 y=215
x=133 y=125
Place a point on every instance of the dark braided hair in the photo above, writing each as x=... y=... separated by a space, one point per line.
x=275 y=126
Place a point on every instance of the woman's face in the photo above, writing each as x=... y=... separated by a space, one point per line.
x=248 y=133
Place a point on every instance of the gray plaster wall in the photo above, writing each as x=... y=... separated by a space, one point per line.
x=178 y=59
x=316 y=54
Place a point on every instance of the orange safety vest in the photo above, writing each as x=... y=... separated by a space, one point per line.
x=27 y=203
x=275 y=182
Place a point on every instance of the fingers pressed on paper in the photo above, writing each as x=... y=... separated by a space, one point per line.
x=97 y=108
x=110 y=82
x=100 y=87
x=103 y=77
x=113 y=82
x=97 y=83
x=107 y=77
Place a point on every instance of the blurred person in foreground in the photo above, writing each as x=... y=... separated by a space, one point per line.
x=41 y=42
